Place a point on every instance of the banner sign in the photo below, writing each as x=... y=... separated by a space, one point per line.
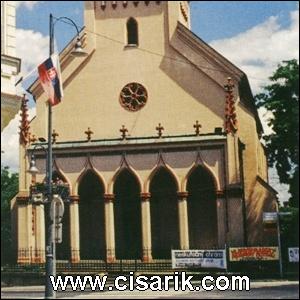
x=270 y=217
x=253 y=253
x=294 y=255
x=199 y=259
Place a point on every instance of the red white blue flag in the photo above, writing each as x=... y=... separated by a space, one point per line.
x=50 y=78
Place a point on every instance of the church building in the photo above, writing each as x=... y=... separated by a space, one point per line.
x=157 y=139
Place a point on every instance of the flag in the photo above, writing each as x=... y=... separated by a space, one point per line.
x=50 y=78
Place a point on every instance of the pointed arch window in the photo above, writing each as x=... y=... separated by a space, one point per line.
x=132 y=32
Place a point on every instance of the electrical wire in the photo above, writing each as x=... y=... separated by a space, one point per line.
x=153 y=52
x=140 y=49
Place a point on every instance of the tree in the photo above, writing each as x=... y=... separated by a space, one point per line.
x=9 y=188
x=281 y=98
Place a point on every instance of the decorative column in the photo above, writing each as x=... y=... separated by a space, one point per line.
x=39 y=232
x=146 y=227
x=23 y=225
x=74 y=229
x=221 y=217
x=24 y=229
x=231 y=124
x=183 y=220
x=109 y=227
x=24 y=139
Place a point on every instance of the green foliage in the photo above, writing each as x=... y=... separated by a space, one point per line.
x=289 y=226
x=9 y=188
x=281 y=98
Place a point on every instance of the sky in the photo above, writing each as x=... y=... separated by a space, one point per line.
x=255 y=35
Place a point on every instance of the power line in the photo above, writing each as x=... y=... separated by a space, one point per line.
x=156 y=53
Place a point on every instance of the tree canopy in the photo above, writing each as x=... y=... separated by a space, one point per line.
x=281 y=98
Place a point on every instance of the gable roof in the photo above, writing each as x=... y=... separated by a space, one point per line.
x=215 y=65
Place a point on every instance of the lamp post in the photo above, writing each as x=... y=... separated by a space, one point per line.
x=50 y=243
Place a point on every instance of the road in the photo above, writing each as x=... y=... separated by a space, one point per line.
x=259 y=290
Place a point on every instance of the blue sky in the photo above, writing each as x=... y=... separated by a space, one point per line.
x=211 y=20
x=255 y=35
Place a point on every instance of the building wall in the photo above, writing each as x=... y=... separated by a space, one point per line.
x=178 y=94
x=259 y=197
x=10 y=65
x=8 y=28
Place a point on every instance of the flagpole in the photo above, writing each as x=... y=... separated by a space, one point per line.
x=50 y=246
x=50 y=236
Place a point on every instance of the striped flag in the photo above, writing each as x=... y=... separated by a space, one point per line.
x=50 y=78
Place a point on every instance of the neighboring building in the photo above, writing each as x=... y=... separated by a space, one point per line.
x=144 y=178
x=10 y=64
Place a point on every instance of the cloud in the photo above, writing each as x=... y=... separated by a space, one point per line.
x=10 y=142
x=259 y=50
x=32 y=48
x=28 y=4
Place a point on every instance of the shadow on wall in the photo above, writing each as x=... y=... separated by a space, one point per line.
x=260 y=200
x=190 y=78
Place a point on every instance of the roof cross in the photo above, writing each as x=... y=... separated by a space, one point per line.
x=123 y=130
x=54 y=136
x=32 y=138
x=197 y=127
x=160 y=130
x=89 y=133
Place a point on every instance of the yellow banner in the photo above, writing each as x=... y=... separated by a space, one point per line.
x=253 y=253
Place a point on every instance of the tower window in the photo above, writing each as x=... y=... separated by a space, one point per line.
x=132 y=32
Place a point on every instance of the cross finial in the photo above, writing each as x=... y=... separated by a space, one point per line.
x=32 y=138
x=123 y=130
x=197 y=127
x=159 y=129
x=54 y=136
x=229 y=86
x=89 y=133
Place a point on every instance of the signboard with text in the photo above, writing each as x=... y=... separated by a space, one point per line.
x=253 y=253
x=270 y=217
x=199 y=259
x=294 y=255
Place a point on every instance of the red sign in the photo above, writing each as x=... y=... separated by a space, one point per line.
x=253 y=253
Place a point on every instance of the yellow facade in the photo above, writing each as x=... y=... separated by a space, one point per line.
x=184 y=79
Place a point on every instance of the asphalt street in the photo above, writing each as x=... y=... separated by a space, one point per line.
x=259 y=290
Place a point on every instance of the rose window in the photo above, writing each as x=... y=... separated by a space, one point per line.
x=133 y=96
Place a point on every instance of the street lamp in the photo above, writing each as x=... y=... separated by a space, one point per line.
x=50 y=245
x=33 y=170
